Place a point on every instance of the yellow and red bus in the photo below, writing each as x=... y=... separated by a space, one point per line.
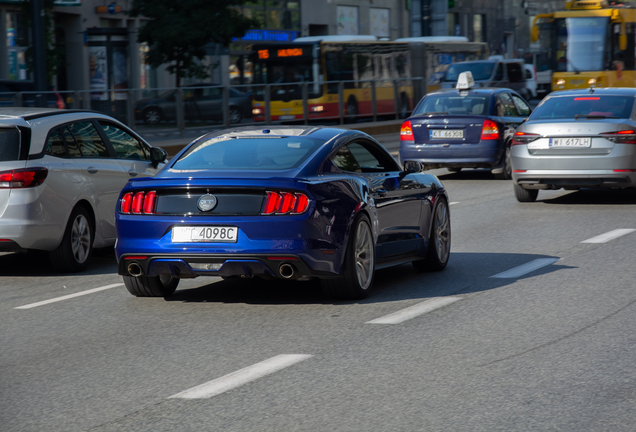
x=358 y=76
x=591 y=42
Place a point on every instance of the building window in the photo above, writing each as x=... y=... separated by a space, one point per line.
x=380 y=22
x=347 y=20
x=17 y=43
x=478 y=27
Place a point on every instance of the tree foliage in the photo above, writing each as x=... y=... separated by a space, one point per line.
x=178 y=31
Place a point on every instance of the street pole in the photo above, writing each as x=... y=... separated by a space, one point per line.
x=39 y=50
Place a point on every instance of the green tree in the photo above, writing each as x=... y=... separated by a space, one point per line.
x=54 y=53
x=178 y=31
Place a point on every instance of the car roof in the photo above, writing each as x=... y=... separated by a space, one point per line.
x=474 y=91
x=320 y=132
x=614 y=91
x=30 y=113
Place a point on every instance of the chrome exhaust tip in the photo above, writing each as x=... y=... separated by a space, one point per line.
x=135 y=269
x=287 y=271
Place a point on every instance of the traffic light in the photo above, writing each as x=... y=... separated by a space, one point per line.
x=451 y=4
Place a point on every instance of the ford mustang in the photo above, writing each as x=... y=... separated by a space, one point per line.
x=290 y=203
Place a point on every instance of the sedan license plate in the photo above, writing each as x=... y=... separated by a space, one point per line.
x=447 y=133
x=212 y=234
x=570 y=142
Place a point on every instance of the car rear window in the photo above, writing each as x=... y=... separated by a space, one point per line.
x=223 y=153
x=588 y=106
x=480 y=71
x=9 y=144
x=454 y=103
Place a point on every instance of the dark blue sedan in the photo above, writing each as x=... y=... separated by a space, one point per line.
x=291 y=203
x=464 y=129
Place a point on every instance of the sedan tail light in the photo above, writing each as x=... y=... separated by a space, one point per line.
x=621 y=137
x=138 y=203
x=282 y=203
x=490 y=130
x=524 y=138
x=22 y=178
x=406 y=131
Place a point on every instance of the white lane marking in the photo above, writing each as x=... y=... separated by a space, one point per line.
x=453 y=203
x=604 y=238
x=241 y=377
x=415 y=311
x=70 y=296
x=525 y=268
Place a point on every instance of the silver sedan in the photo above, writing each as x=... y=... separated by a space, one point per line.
x=576 y=139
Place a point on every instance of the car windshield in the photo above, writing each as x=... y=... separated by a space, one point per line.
x=574 y=107
x=225 y=153
x=480 y=71
x=581 y=43
x=452 y=104
x=9 y=144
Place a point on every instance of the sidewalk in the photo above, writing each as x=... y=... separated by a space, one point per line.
x=172 y=142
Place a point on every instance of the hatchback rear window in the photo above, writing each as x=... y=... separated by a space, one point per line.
x=9 y=144
x=582 y=107
x=223 y=153
x=452 y=103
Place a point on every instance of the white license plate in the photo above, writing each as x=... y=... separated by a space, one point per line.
x=570 y=142
x=222 y=234
x=286 y=117
x=447 y=133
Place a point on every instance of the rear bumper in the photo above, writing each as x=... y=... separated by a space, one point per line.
x=485 y=154
x=557 y=179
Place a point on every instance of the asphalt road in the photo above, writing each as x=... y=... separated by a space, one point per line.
x=490 y=344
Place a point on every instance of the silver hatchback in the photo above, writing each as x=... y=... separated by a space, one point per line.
x=576 y=139
x=60 y=177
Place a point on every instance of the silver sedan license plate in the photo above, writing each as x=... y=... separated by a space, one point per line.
x=570 y=142
x=447 y=133
x=211 y=234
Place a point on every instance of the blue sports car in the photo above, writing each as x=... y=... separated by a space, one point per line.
x=471 y=128
x=291 y=203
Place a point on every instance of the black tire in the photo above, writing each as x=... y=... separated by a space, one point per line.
x=235 y=115
x=525 y=195
x=439 y=243
x=356 y=279
x=506 y=174
x=151 y=286
x=75 y=250
x=152 y=116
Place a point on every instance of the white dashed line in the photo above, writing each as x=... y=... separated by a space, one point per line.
x=415 y=311
x=70 y=296
x=604 y=238
x=241 y=377
x=525 y=268
x=453 y=203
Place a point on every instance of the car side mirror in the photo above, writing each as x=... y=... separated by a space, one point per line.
x=413 y=166
x=157 y=156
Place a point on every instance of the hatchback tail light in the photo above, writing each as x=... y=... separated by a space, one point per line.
x=490 y=130
x=520 y=138
x=22 y=178
x=406 y=131
x=281 y=203
x=621 y=137
x=138 y=203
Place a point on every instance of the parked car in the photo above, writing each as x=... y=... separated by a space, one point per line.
x=200 y=102
x=289 y=203
x=61 y=172
x=467 y=128
x=490 y=73
x=576 y=139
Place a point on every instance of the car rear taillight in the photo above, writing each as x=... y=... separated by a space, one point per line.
x=621 y=137
x=138 y=203
x=406 y=131
x=22 y=178
x=281 y=203
x=490 y=130
x=520 y=138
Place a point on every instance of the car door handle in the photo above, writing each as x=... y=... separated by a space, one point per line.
x=382 y=192
x=92 y=170
x=133 y=173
